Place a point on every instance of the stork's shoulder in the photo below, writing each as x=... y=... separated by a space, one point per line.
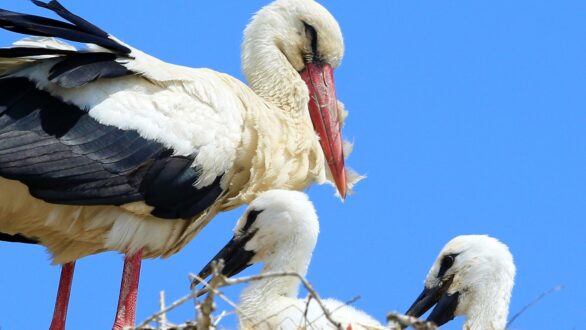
x=158 y=70
x=211 y=87
x=161 y=72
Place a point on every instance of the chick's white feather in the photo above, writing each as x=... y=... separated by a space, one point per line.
x=286 y=232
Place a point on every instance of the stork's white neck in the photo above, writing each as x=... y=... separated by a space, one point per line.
x=489 y=308
x=288 y=155
x=290 y=256
x=270 y=74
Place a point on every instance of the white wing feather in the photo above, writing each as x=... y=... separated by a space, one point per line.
x=193 y=111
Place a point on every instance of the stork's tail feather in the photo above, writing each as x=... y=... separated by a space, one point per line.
x=78 y=30
x=58 y=9
x=76 y=68
x=18 y=238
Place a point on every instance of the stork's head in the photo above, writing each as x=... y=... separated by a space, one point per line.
x=295 y=45
x=303 y=30
x=279 y=228
x=473 y=276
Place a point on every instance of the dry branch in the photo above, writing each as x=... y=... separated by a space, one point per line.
x=533 y=302
x=204 y=309
x=311 y=291
x=404 y=321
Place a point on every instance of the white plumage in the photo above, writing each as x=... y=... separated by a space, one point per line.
x=473 y=276
x=257 y=139
x=280 y=229
x=109 y=148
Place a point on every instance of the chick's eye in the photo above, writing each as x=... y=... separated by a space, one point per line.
x=250 y=219
x=447 y=262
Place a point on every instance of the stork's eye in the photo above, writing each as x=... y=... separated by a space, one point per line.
x=311 y=34
x=447 y=262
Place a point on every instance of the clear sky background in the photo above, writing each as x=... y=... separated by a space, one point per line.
x=468 y=118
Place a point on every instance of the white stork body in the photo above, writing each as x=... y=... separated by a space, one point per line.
x=473 y=276
x=201 y=110
x=280 y=229
x=182 y=116
x=252 y=141
x=111 y=149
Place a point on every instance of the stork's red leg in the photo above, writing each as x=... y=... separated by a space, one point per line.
x=60 y=312
x=126 y=312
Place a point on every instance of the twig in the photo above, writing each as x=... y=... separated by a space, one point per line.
x=185 y=326
x=276 y=313
x=347 y=303
x=220 y=281
x=174 y=305
x=405 y=321
x=220 y=317
x=162 y=319
x=306 y=311
x=533 y=302
x=193 y=292
x=205 y=309
x=217 y=292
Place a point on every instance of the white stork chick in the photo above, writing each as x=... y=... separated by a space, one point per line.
x=280 y=229
x=112 y=149
x=472 y=276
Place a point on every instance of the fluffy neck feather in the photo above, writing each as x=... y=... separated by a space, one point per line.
x=269 y=72
x=291 y=256
x=490 y=306
x=287 y=156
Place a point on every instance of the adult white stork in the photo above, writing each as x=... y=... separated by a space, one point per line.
x=108 y=148
x=280 y=229
x=472 y=276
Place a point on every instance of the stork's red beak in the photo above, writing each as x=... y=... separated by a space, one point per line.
x=323 y=109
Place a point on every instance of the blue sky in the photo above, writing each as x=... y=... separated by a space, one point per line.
x=467 y=117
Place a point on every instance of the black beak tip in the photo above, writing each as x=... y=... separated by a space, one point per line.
x=202 y=275
x=422 y=303
x=445 y=310
x=231 y=260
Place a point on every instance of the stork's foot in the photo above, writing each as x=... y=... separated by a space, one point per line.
x=62 y=301
x=126 y=312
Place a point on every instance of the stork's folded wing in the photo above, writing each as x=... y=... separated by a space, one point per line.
x=65 y=156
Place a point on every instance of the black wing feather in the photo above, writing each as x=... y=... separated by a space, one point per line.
x=65 y=156
x=44 y=27
x=82 y=68
x=79 y=31
x=15 y=52
x=81 y=23
x=76 y=68
x=18 y=238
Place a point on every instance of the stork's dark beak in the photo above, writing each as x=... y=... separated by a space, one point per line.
x=323 y=109
x=445 y=308
x=236 y=257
